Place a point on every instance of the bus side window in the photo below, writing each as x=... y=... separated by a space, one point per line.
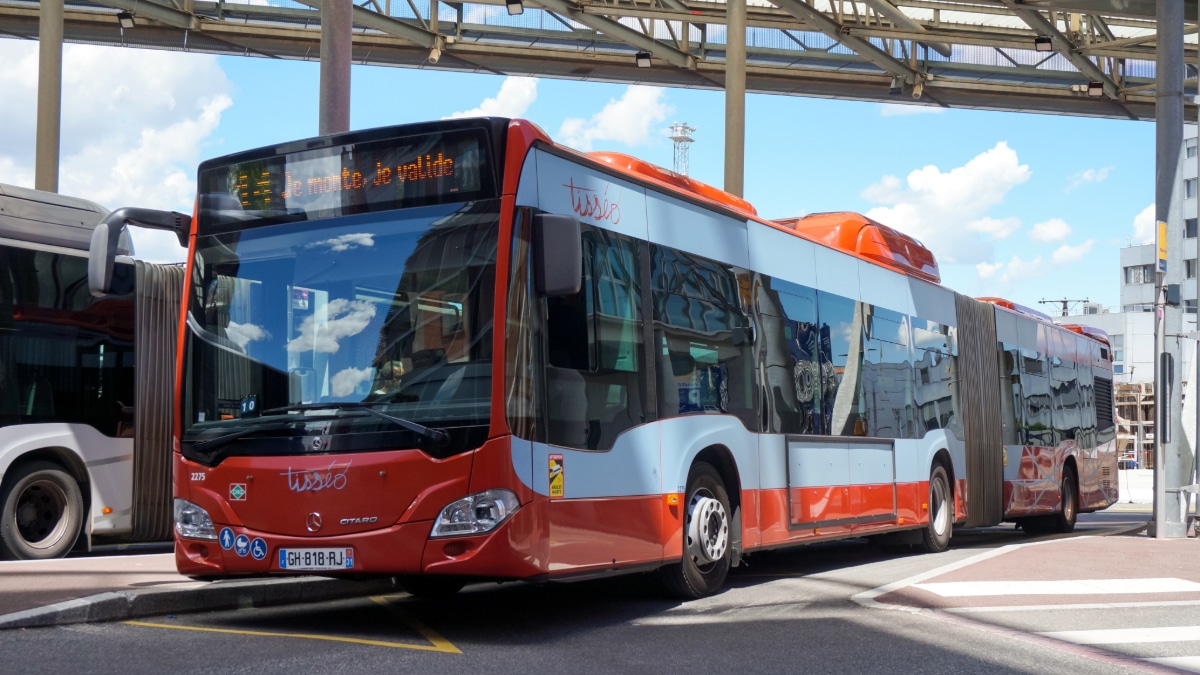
x=595 y=375
x=704 y=338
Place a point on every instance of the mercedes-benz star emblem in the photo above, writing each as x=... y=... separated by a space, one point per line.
x=313 y=522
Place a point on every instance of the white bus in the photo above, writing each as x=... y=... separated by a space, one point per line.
x=85 y=445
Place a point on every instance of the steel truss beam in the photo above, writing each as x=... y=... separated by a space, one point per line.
x=1062 y=45
x=808 y=14
x=151 y=10
x=791 y=52
x=623 y=33
x=388 y=25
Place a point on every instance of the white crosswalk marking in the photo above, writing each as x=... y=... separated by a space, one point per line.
x=959 y=589
x=1191 y=663
x=1111 y=636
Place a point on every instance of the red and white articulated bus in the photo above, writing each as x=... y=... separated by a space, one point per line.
x=457 y=350
x=85 y=390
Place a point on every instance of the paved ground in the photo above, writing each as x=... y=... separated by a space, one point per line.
x=28 y=584
x=786 y=611
x=790 y=612
x=1126 y=599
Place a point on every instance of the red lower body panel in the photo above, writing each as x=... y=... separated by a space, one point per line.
x=509 y=552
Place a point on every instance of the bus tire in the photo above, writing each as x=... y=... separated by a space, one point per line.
x=431 y=586
x=1064 y=521
x=41 y=512
x=935 y=538
x=707 y=538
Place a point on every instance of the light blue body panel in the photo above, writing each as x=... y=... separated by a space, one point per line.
x=687 y=227
x=654 y=458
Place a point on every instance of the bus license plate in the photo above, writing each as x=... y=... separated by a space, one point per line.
x=316 y=559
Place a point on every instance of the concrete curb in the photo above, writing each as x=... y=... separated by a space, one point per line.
x=121 y=605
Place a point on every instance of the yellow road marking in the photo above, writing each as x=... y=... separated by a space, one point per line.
x=440 y=643
x=437 y=643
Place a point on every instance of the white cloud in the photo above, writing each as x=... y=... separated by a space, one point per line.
x=344 y=318
x=999 y=228
x=988 y=270
x=1089 y=176
x=1050 y=231
x=346 y=242
x=933 y=206
x=515 y=97
x=1021 y=270
x=629 y=120
x=134 y=124
x=1143 y=226
x=242 y=334
x=1065 y=254
x=905 y=110
x=344 y=381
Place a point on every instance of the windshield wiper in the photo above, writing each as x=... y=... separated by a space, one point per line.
x=214 y=443
x=438 y=436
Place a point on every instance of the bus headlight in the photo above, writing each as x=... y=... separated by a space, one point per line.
x=475 y=514
x=193 y=522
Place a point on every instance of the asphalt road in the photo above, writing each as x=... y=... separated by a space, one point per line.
x=784 y=612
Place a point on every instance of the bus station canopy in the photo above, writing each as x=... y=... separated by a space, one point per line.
x=1077 y=57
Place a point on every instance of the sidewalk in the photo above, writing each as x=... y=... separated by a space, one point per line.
x=109 y=588
x=1067 y=571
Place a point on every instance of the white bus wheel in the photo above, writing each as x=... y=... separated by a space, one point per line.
x=41 y=512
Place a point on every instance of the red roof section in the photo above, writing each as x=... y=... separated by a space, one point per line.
x=1019 y=309
x=1088 y=331
x=631 y=164
x=870 y=239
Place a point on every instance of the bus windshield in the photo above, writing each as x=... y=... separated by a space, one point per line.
x=392 y=309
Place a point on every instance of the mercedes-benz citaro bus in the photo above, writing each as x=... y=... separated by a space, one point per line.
x=458 y=350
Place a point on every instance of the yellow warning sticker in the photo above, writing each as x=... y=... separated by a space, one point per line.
x=556 y=475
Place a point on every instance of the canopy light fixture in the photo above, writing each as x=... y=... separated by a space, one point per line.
x=1042 y=43
x=125 y=19
x=514 y=7
x=643 y=59
x=1095 y=89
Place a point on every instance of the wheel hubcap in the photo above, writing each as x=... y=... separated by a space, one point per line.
x=708 y=529
x=1068 y=500
x=41 y=513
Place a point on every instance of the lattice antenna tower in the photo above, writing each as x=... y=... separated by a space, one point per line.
x=681 y=133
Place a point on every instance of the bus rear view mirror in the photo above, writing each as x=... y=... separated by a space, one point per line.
x=107 y=237
x=557 y=254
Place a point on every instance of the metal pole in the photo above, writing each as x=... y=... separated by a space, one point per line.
x=735 y=97
x=1168 y=469
x=1194 y=475
x=49 y=97
x=336 y=44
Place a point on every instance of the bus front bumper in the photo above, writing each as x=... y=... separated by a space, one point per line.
x=511 y=551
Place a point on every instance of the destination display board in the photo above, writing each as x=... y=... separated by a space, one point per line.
x=345 y=179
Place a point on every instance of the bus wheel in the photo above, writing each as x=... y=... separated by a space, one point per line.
x=936 y=536
x=431 y=586
x=707 y=550
x=1064 y=520
x=41 y=512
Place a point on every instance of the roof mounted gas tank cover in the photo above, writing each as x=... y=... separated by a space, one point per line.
x=856 y=233
x=632 y=165
x=52 y=219
x=1019 y=309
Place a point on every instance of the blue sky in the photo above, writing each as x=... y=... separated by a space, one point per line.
x=1017 y=205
